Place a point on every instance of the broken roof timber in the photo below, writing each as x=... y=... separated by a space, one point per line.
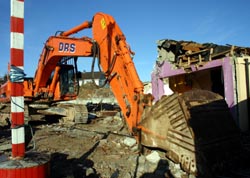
x=184 y=53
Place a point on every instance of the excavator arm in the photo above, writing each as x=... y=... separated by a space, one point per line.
x=109 y=46
x=117 y=64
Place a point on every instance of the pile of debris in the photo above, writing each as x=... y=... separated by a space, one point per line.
x=184 y=53
x=90 y=93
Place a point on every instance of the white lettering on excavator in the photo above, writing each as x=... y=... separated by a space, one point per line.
x=67 y=47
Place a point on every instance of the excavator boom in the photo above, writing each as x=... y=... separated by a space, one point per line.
x=117 y=64
x=58 y=50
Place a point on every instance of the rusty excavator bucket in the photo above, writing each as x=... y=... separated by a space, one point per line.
x=195 y=128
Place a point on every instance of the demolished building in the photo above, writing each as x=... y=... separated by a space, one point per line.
x=223 y=69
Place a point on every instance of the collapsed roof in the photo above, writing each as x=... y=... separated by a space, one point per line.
x=184 y=53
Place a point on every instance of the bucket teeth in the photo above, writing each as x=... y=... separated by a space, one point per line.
x=196 y=129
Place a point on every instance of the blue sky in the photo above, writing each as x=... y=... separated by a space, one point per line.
x=142 y=22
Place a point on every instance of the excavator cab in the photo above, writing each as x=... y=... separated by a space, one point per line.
x=69 y=83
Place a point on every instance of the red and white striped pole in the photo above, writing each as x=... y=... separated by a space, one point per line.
x=16 y=72
x=35 y=164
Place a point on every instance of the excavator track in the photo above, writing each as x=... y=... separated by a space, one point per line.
x=196 y=129
x=70 y=113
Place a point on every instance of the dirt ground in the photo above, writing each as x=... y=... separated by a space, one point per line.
x=101 y=149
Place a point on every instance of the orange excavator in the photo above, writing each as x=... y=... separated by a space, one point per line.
x=177 y=124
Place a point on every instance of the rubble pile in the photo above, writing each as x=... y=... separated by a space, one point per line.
x=183 y=53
